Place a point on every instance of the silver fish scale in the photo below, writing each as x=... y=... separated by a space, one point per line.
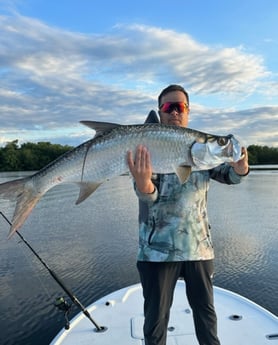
x=65 y=169
x=105 y=156
x=168 y=146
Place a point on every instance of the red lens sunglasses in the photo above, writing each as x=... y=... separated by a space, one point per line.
x=168 y=107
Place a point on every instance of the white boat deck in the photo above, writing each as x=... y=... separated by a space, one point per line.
x=240 y=321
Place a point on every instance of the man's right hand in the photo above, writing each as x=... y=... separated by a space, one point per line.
x=141 y=169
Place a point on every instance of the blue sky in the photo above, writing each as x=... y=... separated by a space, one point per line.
x=65 y=61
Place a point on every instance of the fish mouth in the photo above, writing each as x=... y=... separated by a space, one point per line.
x=209 y=154
x=232 y=150
x=235 y=148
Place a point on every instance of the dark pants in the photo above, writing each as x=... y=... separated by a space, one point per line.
x=159 y=280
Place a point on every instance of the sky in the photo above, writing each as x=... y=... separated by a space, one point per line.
x=63 y=61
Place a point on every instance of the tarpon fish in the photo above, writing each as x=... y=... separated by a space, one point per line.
x=172 y=149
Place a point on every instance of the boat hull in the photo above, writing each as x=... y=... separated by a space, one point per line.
x=240 y=321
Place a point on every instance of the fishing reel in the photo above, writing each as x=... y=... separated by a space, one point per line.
x=62 y=304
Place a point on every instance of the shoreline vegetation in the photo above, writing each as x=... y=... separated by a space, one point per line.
x=34 y=156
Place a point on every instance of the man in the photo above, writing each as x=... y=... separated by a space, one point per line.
x=174 y=233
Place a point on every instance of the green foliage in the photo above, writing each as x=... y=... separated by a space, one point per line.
x=29 y=156
x=262 y=155
x=10 y=157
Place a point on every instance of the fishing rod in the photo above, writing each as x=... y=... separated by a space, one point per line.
x=60 y=302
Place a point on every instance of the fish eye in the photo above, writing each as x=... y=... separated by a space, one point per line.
x=222 y=141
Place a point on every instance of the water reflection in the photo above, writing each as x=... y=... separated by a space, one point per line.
x=93 y=247
x=245 y=234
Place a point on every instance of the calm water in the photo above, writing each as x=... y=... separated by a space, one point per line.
x=93 y=248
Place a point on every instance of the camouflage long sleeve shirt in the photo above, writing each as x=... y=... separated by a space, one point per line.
x=173 y=221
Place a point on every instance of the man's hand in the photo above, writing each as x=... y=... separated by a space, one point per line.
x=141 y=169
x=241 y=167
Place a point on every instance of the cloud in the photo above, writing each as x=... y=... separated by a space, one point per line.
x=52 y=78
x=205 y=69
x=252 y=126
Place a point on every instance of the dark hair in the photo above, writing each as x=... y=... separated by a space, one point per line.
x=170 y=88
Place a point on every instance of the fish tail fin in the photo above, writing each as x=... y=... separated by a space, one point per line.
x=21 y=191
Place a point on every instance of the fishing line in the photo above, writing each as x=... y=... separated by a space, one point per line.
x=60 y=302
x=35 y=272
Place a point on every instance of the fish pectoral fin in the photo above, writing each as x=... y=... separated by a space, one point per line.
x=183 y=173
x=86 y=189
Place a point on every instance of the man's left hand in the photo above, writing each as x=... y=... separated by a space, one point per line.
x=241 y=167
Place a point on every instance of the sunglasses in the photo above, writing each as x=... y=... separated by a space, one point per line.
x=168 y=107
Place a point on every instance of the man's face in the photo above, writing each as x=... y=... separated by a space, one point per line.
x=171 y=113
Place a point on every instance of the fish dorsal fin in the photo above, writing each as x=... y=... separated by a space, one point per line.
x=152 y=117
x=183 y=173
x=100 y=127
x=86 y=189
